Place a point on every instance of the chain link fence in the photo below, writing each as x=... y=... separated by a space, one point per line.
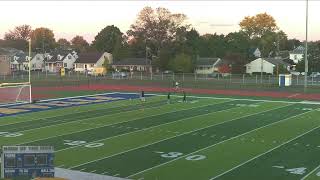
x=187 y=80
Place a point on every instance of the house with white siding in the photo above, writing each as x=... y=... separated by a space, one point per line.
x=38 y=62
x=266 y=65
x=133 y=64
x=297 y=54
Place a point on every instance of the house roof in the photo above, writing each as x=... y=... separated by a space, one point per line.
x=54 y=58
x=133 y=61
x=88 y=58
x=206 y=61
x=276 y=61
x=299 y=50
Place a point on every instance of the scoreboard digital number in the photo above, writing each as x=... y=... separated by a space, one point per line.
x=30 y=161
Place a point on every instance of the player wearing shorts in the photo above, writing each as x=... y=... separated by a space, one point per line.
x=142 y=96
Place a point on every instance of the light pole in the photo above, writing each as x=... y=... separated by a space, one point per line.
x=306 y=51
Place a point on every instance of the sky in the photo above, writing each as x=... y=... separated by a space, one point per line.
x=87 y=18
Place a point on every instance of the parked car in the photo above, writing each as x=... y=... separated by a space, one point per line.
x=119 y=75
x=314 y=74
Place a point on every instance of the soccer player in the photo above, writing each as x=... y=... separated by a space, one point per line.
x=168 y=98
x=184 y=97
x=177 y=86
x=142 y=96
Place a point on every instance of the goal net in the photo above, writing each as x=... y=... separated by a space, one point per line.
x=11 y=93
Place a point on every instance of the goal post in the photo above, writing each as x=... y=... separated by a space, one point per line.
x=11 y=93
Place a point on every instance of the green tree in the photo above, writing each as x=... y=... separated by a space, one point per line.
x=181 y=63
x=43 y=39
x=313 y=59
x=80 y=44
x=108 y=39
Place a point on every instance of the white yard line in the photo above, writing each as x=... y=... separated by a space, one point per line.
x=265 y=153
x=311 y=172
x=263 y=100
x=189 y=132
x=218 y=143
x=107 y=124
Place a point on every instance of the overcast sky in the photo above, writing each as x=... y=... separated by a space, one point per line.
x=87 y=18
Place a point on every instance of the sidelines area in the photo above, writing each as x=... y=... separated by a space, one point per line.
x=160 y=140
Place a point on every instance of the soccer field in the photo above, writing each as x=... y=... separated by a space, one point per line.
x=205 y=138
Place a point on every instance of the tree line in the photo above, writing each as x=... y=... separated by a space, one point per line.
x=168 y=40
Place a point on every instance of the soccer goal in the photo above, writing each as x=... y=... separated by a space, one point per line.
x=11 y=93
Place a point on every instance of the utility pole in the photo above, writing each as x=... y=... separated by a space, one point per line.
x=306 y=51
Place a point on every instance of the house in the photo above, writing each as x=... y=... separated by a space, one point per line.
x=266 y=65
x=297 y=54
x=206 y=65
x=20 y=62
x=38 y=61
x=69 y=60
x=54 y=63
x=133 y=64
x=87 y=61
x=4 y=65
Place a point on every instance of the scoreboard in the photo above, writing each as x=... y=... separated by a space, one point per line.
x=30 y=161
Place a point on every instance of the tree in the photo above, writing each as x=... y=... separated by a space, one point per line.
x=181 y=63
x=156 y=27
x=19 y=33
x=18 y=44
x=43 y=39
x=80 y=44
x=63 y=43
x=258 y=25
x=313 y=59
x=108 y=38
x=212 y=45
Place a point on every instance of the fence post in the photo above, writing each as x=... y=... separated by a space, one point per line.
x=297 y=80
x=230 y=77
x=243 y=79
x=312 y=80
x=151 y=75
x=13 y=75
x=182 y=76
x=22 y=75
x=38 y=74
x=256 y=79
x=173 y=75
x=161 y=75
x=218 y=76
x=140 y=75
x=195 y=76
x=269 y=79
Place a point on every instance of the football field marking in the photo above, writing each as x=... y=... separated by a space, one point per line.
x=271 y=124
x=35 y=119
x=189 y=108
x=66 y=122
x=311 y=172
x=146 y=129
x=266 y=152
x=263 y=100
x=188 y=132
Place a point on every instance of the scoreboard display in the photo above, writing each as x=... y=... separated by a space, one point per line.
x=30 y=161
